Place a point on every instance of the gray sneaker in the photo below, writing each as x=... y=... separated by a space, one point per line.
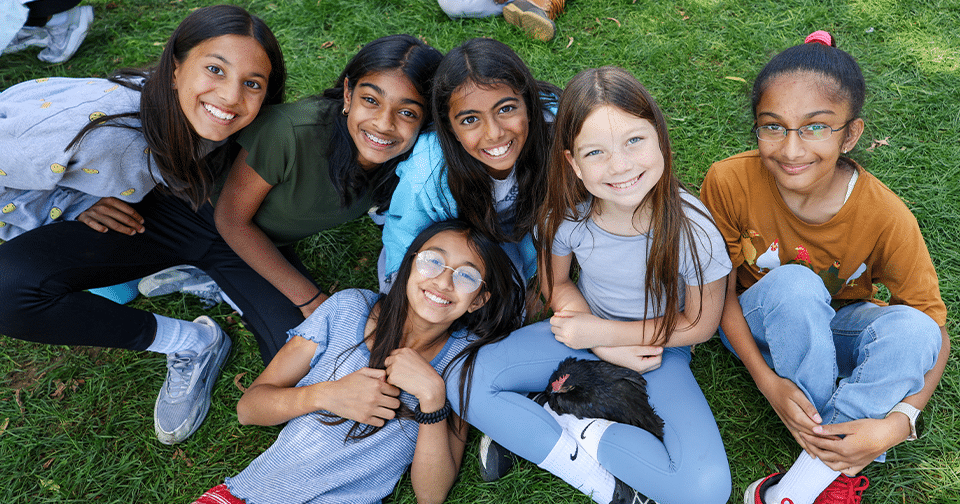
x=185 y=396
x=170 y=280
x=65 y=38
x=28 y=36
x=184 y=278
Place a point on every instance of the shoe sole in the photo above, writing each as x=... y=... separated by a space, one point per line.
x=530 y=19
x=750 y=491
x=171 y=438
x=497 y=467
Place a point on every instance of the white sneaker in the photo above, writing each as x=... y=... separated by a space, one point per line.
x=28 y=36
x=65 y=38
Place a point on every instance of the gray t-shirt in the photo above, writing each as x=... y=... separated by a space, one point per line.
x=613 y=267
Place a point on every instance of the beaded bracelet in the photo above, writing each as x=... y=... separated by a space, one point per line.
x=432 y=418
x=310 y=300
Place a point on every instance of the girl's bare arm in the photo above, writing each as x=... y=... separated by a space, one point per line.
x=274 y=398
x=241 y=197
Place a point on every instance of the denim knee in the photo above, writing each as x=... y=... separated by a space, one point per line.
x=795 y=284
x=912 y=334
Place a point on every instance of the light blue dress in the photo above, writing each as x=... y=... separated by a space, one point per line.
x=310 y=462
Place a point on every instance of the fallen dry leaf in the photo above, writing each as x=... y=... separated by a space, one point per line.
x=570 y=43
x=16 y=395
x=6 y=423
x=327 y=45
x=738 y=79
x=180 y=454
x=878 y=143
x=236 y=381
x=615 y=20
x=61 y=386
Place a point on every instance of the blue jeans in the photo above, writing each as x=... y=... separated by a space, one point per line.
x=690 y=465
x=879 y=354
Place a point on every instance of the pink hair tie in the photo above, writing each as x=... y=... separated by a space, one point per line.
x=819 y=36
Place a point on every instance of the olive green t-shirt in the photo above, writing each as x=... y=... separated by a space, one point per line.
x=287 y=146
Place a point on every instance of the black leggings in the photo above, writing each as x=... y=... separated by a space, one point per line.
x=41 y=10
x=44 y=273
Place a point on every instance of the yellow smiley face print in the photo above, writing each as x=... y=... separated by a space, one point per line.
x=9 y=207
x=128 y=192
x=58 y=168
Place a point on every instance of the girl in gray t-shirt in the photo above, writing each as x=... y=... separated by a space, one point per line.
x=651 y=283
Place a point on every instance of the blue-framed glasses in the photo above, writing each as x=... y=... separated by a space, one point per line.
x=466 y=279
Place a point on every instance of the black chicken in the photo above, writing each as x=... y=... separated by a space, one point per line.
x=598 y=389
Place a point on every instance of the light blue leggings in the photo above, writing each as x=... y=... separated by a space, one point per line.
x=689 y=466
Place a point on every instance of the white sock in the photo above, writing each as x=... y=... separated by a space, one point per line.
x=175 y=335
x=569 y=462
x=803 y=482
x=586 y=431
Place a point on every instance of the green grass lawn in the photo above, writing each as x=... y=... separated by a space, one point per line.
x=75 y=423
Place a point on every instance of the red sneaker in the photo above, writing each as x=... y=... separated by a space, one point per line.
x=754 y=493
x=844 y=490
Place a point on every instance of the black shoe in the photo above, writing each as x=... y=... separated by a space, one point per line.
x=495 y=460
x=623 y=494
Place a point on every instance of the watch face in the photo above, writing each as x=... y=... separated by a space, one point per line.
x=919 y=424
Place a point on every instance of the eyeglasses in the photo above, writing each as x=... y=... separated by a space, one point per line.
x=466 y=279
x=816 y=132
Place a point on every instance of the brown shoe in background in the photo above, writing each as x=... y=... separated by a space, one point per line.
x=534 y=16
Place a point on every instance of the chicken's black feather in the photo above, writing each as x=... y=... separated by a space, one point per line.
x=599 y=389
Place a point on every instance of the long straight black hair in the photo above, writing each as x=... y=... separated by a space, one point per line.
x=492 y=322
x=179 y=152
x=418 y=61
x=487 y=62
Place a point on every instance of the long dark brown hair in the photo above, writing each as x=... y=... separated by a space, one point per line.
x=187 y=172
x=492 y=322
x=487 y=62
x=669 y=227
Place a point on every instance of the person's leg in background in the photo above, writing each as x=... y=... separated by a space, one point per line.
x=59 y=26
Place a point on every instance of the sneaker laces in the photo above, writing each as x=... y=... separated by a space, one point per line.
x=180 y=367
x=209 y=295
x=844 y=490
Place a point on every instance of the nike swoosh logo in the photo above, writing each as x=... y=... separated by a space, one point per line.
x=574 y=456
x=583 y=435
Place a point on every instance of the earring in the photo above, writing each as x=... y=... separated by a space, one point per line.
x=344 y=112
